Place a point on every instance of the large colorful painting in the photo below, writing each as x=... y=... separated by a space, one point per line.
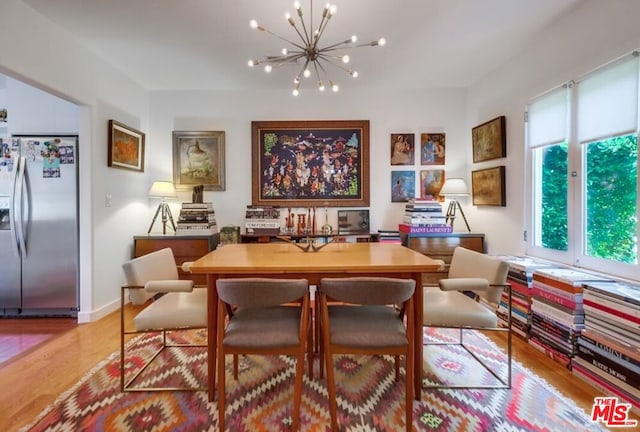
x=310 y=163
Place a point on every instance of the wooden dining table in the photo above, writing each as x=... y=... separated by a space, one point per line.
x=284 y=260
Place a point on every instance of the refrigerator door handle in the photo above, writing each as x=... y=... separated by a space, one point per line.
x=20 y=183
x=13 y=200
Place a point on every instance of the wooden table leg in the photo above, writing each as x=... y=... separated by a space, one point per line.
x=212 y=317
x=417 y=351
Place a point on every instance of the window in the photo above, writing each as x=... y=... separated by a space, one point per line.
x=582 y=154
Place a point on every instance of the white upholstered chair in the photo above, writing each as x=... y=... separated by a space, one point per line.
x=170 y=304
x=466 y=300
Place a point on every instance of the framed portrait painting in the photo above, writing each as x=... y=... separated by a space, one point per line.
x=431 y=181
x=489 y=140
x=403 y=186
x=198 y=159
x=402 y=149
x=488 y=187
x=432 y=148
x=310 y=163
x=125 y=147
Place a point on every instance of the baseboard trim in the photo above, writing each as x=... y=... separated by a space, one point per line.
x=95 y=315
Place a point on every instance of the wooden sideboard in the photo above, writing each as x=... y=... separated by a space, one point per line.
x=185 y=248
x=441 y=246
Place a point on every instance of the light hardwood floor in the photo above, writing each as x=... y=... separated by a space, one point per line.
x=34 y=379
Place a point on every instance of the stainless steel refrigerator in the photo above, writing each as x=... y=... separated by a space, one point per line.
x=39 y=225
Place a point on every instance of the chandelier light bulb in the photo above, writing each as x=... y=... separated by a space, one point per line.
x=268 y=68
x=354 y=39
x=285 y=51
x=296 y=5
x=382 y=42
x=345 y=59
x=354 y=74
x=306 y=73
x=334 y=87
x=295 y=92
x=252 y=63
x=253 y=24
x=296 y=80
x=320 y=86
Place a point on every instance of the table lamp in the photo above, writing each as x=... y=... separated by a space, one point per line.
x=452 y=188
x=162 y=190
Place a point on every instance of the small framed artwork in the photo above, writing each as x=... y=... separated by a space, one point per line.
x=432 y=148
x=198 y=159
x=402 y=149
x=488 y=187
x=125 y=147
x=431 y=182
x=489 y=140
x=403 y=186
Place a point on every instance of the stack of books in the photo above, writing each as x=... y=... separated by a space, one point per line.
x=608 y=355
x=424 y=216
x=196 y=219
x=557 y=311
x=389 y=236
x=520 y=277
x=262 y=220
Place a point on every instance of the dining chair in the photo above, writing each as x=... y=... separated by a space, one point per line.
x=168 y=305
x=366 y=316
x=263 y=316
x=467 y=300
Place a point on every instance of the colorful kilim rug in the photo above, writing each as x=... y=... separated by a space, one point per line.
x=369 y=398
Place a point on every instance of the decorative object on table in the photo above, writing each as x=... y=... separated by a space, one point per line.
x=256 y=404
x=306 y=244
x=432 y=148
x=489 y=140
x=262 y=220
x=402 y=149
x=326 y=228
x=431 y=182
x=403 y=185
x=229 y=234
x=197 y=219
x=162 y=190
x=353 y=222
x=310 y=163
x=454 y=188
x=198 y=159
x=197 y=195
x=488 y=187
x=125 y=147
x=315 y=56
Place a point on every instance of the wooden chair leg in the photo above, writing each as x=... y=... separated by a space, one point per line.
x=408 y=400
x=221 y=393
x=297 y=391
x=235 y=367
x=397 y=367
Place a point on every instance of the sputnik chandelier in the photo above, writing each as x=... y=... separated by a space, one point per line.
x=308 y=51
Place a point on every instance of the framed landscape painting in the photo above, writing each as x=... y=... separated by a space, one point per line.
x=489 y=140
x=488 y=187
x=125 y=147
x=310 y=163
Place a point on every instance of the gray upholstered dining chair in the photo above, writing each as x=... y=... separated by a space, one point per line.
x=263 y=316
x=365 y=316
x=169 y=305
x=467 y=300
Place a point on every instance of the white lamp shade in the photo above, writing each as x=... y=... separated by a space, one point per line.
x=162 y=189
x=454 y=187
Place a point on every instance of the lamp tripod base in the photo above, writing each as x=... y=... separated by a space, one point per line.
x=451 y=213
x=165 y=212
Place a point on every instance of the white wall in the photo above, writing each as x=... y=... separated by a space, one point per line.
x=388 y=112
x=593 y=34
x=46 y=56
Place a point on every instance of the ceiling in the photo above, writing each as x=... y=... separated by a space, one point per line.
x=205 y=44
